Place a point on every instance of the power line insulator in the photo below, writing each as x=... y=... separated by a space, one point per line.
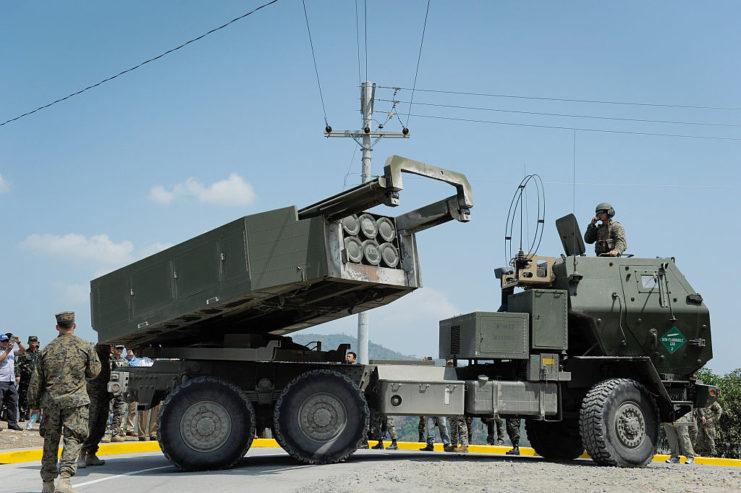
x=405 y=131
x=366 y=130
x=327 y=129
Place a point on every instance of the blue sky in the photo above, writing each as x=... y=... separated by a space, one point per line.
x=232 y=125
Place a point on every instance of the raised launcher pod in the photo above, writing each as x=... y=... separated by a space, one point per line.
x=275 y=272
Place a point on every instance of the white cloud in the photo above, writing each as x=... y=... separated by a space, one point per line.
x=4 y=185
x=232 y=191
x=73 y=294
x=153 y=248
x=409 y=325
x=98 y=249
x=160 y=195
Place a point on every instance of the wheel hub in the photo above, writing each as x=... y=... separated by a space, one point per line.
x=205 y=426
x=630 y=425
x=322 y=417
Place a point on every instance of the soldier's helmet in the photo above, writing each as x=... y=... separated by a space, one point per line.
x=604 y=206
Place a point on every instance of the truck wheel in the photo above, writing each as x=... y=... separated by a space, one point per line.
x=321 y=417
x=551 y=440
x=206 y=423
x=619 y=423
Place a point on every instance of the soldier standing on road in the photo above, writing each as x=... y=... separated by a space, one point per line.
x=707 y=418
x=58 y=388
x=458 y=435
x=609 y=235
x=513 y=431
x=118 y=403
x=24 y=366
x=97 y=390
x=382 y=423
x=677 y=434
x=492 y=425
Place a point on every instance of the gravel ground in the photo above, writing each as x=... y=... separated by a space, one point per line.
x=472 y=473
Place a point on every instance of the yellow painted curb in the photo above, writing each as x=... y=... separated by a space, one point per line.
x=32 y=455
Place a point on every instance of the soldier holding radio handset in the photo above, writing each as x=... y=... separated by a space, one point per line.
x=609 y=236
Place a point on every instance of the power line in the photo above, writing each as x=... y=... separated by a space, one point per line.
x=730 y=139
x=357 y=41
x=139 y=65
x=316 y=70
x=566 y=115
x=594 y=101
x=419 y=58
x=365 y=33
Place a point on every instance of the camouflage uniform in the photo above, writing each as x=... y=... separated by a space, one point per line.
x=118 y=403
x=459 y=432
x=58 y=388
x=610 y=236
x=513 y=431
x=381 y=421
x=97 y=390
x=706 y=431
x=494 y=424
x=677 y=434
x=421 y=428
x=24 y=366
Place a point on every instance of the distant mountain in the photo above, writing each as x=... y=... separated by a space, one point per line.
x=331 y=341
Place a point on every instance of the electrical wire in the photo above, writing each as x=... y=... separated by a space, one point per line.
x=198 y=38
x=357 y=42
x=581 y=129
x=419 y=58
x=365 y=33
x=316 y=70
x=566 y=115
x=592 y=101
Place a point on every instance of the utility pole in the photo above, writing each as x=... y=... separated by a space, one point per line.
x=366 y=139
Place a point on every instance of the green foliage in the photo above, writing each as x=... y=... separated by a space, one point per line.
x=728 y=438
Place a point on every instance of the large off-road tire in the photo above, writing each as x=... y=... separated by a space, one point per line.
x=206 y=423
x=320 y=417
x=619 y=423
x=559 y=441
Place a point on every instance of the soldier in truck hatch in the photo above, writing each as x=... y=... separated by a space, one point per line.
x=609 y=236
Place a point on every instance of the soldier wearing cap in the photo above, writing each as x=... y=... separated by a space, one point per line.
x=24 y=366
x=8 y=391
x=609 y=236
x=58 y=388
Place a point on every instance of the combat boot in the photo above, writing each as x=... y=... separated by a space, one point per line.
x=64 y=485
x=92 y=460
x=117 y=438
x=515 y=451
x=393 y=446
x=449 y=448
x=81 y=464
x=429 y=448
x=48 y=487
x=378 y=446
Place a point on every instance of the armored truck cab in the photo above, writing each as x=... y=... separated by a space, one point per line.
x=594 y=353
x=214 y=312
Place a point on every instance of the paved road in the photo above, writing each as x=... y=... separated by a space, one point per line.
x=270 y=470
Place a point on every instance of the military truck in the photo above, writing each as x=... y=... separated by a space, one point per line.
x=593 y=352
x=214 y=312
